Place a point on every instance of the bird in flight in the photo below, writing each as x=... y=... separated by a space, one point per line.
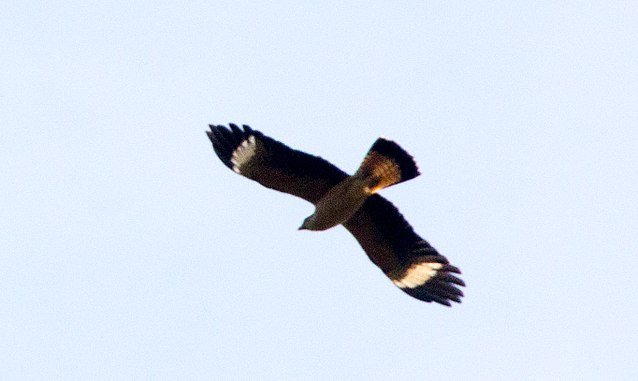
x=410 y=262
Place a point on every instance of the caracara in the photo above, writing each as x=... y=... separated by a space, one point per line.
x=352 y=201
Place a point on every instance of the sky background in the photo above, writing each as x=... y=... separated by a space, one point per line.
x=128 y=251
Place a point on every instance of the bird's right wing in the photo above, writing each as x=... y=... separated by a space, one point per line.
x=408 y=260
x=273 y=164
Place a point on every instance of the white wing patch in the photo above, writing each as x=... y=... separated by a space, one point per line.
x=243 y=153
x=418 y=274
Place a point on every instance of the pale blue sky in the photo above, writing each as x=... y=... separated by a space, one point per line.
x=130 y=252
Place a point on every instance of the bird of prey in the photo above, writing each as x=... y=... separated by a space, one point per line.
x=352 y=201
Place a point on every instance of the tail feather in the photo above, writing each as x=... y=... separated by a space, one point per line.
x=386 y=164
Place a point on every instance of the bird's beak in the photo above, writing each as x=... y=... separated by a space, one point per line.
x=302 y=228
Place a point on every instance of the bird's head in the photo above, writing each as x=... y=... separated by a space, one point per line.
x=308 y=223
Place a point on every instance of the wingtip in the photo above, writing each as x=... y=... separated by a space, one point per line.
x=247 y=129
x=227 y=139
x=235 y=129
x=429 y=278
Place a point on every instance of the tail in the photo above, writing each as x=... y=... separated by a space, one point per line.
x=386 y=164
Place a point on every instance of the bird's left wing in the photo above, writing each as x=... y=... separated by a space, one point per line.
x=273 y=164
x=407 y=259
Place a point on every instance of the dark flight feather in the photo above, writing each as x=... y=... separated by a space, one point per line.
x=404 y=161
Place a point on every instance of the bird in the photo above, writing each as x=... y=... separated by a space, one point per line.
x=389 y=241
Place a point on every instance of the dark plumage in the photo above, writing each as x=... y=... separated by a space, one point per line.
x=386 y=237
x=405 y=162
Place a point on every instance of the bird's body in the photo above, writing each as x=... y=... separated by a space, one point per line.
x=388 y=240
x=338 y=204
